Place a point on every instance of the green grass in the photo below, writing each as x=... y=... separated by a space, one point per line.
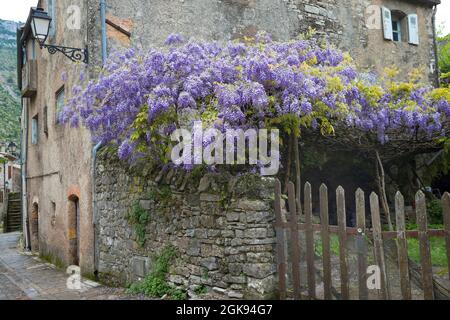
x=437 y=248
x=155 y=284
x=438 y=251
x=334 y=245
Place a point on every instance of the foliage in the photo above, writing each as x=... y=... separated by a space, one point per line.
x=140 y=99
x=162 y=195
x=9 y=94
x=444 y=55
x=200 y=290
x=155 y=284
x=434 y=210
x=139 y=217
x=334 y=245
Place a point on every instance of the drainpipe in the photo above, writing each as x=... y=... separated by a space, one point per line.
x=23 y=166
x=436 y=55
x=103 y=27
x=98 y=146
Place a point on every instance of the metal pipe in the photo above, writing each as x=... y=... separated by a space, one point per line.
x=24 y=145
x=103 y=28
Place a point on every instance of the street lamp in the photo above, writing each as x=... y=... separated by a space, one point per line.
x=40 y=26
x=12 y=148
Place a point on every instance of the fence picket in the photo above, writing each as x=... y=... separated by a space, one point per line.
x=361 y=244
x=446 y=214
x=295 y=246
x=424 y=243
x=310 y=255
x=325 y=232
x=342 y=224
x=402 y=246
x=378 y=244
x=280 y=242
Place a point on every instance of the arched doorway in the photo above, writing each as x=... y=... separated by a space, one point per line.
x=34 y=223
x=74 y=230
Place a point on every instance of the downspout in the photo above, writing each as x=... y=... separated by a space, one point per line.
x=103 y=27
x=23 y=166
x=436 y=55
x=97 y=147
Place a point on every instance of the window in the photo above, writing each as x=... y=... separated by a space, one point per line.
x=60 y=100
x=398 y=26
x=46 y=120
x=396 y=31
x=9 y=172
x=34 y=130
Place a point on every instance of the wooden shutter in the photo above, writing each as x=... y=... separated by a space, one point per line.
x=413 y=28
x=387 y=23
x=46 y=120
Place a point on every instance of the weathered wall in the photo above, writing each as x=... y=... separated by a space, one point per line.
x=58 y=166
x=150 y=22
x=222 y=227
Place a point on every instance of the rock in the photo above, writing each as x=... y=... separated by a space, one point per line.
x=235 y=295
x=219 y=290
x=209 y=263
x=262 y=286
x=253 y=205
x=204 y=185
x=259 y=270
x=145 y=204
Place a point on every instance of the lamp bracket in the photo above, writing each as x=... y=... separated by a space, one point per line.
x=74 y=54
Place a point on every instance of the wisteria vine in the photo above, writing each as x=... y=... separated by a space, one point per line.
x=140 y=98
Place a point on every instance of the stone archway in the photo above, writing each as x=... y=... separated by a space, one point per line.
x=34 y=223
x=74 y=230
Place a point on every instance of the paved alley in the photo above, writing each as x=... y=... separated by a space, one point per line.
x=26 y=277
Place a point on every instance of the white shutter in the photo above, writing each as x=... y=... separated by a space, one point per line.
x=34 y=131
x=413 y=28
x=387 y=23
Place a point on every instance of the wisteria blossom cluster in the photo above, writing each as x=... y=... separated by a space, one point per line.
x=136 y=101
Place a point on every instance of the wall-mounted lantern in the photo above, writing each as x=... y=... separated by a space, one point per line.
x=40 y=26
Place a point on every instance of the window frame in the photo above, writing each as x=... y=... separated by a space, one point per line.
x=35 y=130
x=398 y=31
x=59 y=109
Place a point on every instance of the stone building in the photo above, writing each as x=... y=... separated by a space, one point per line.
x=67 y=218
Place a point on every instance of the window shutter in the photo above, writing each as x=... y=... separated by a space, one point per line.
x=51 y=12
x=387 y=23
x=46 y=120
x=413 y=29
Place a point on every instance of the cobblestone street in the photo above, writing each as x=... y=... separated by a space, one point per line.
x=26 y=277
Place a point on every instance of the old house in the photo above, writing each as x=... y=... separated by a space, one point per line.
x=65 y=219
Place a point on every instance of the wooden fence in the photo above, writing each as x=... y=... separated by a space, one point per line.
x=294 y=236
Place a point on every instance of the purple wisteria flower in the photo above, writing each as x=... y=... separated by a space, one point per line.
x=241 y=85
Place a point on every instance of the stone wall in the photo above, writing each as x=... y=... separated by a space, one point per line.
x=221 y=226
